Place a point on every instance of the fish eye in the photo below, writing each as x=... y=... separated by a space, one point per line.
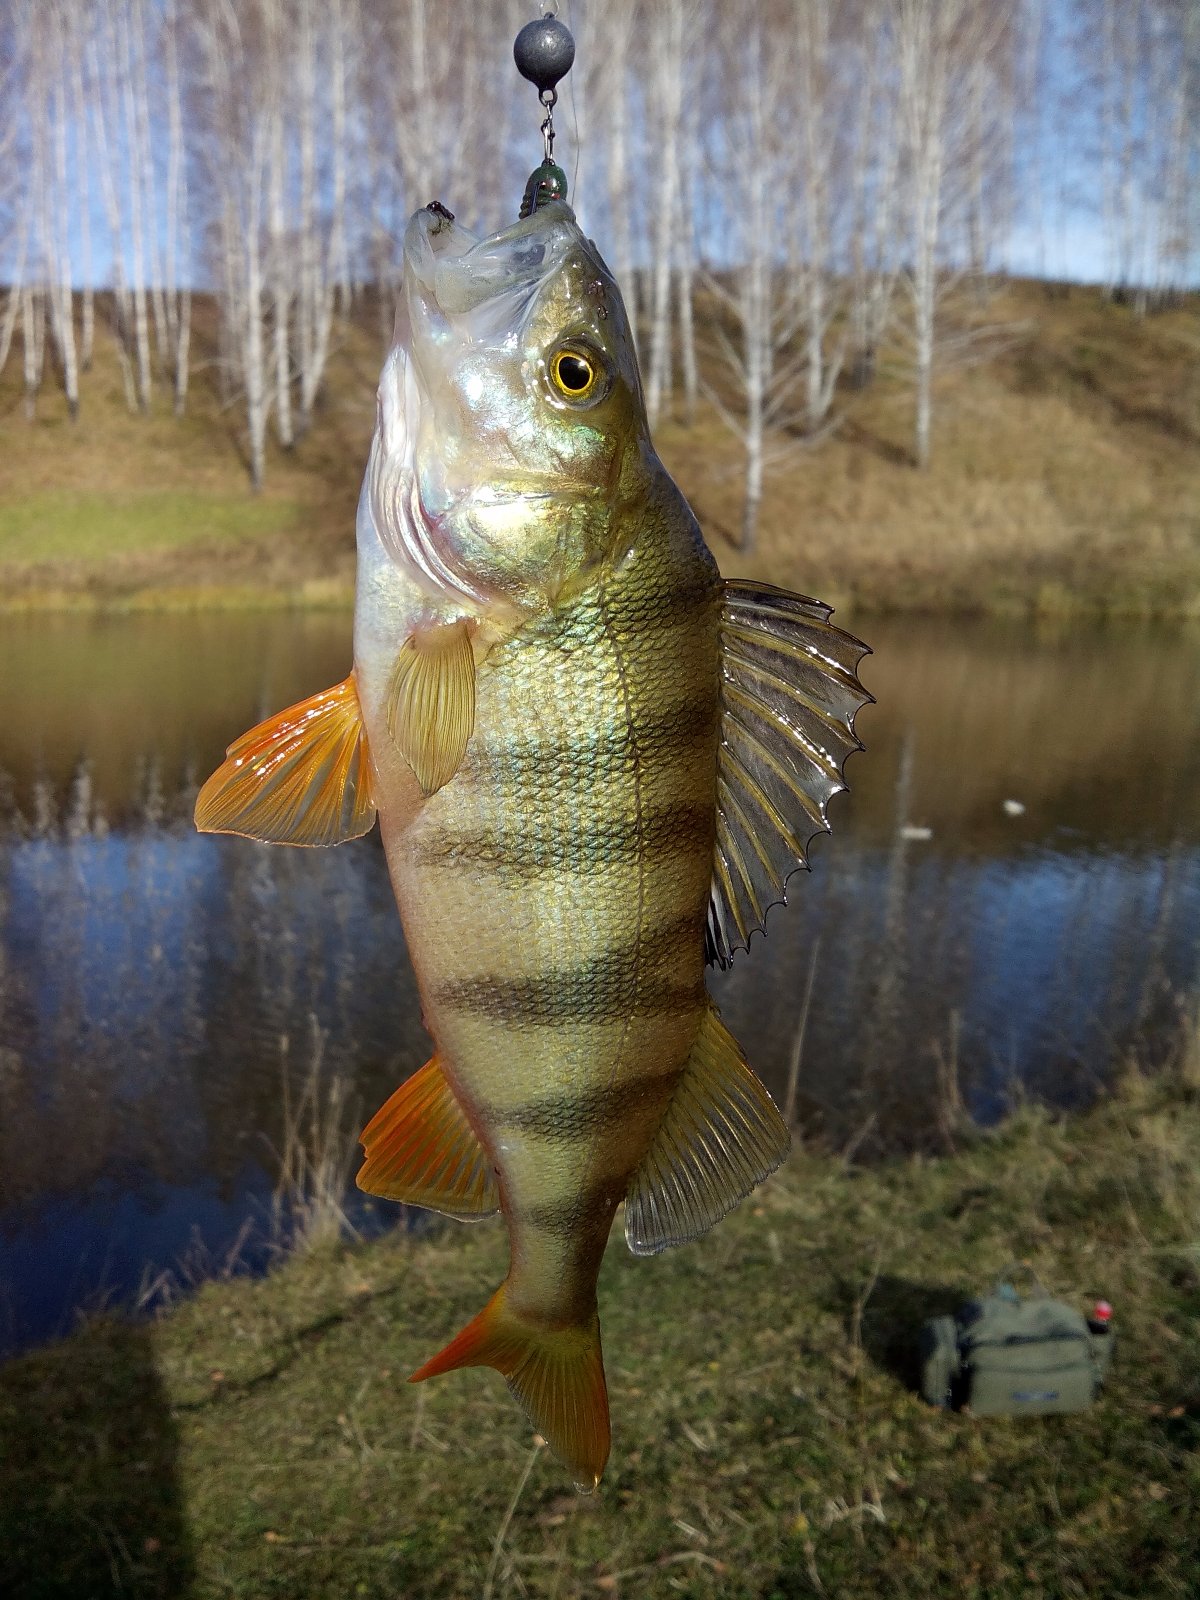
x=575 y=373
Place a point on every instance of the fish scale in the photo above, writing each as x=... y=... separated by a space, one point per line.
x=605 y=1003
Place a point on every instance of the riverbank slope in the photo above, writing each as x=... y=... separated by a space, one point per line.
x=261 y=1440
x=1065 y=478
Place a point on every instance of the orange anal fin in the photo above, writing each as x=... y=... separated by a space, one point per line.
x=301 y=777
x=556 y=1373
x=431 y=702
x=421 y=1150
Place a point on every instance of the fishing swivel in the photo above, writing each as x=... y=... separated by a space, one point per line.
x=543 y=52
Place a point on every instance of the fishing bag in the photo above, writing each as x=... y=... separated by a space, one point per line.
x=1007 y=1356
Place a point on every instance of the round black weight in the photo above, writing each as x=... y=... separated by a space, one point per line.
x=544 y=51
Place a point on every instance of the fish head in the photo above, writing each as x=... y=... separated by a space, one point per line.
x=510 y=410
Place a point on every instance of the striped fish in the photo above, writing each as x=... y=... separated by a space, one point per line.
x=594 y=764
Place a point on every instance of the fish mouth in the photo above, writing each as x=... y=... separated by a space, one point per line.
x=453 y=271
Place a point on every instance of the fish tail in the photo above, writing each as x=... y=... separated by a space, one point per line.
x=556 y=1371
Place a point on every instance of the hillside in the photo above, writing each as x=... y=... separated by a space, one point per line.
x=1066 y=477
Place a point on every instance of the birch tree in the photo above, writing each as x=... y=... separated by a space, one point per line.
x=178 y=260
x=874 y=187
x=941 y=44
x=670 y=20
x=102 y=64
x=236 y=144
x=751 y=153
x=818 y=280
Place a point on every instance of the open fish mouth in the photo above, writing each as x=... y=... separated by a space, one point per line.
x=452 y=271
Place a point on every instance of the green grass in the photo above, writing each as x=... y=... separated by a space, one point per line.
x=57 y=525
x=261 y=1440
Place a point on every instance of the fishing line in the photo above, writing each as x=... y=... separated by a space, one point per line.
x=574 y=110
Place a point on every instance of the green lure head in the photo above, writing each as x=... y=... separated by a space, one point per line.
x=547 y=182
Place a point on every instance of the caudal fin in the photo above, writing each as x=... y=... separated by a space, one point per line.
x=557 y=1374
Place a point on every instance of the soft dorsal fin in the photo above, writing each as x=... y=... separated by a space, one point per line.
x=720 y=1137
x=422 y=1151
x=431 y=701
x=789 y=697
x=301 y=777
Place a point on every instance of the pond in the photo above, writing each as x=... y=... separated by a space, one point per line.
x=1009 y=905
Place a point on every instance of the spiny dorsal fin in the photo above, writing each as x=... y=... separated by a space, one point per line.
x=789 y=697
x=301 y=777
x=422 y=1151
x=720 y=1138
x=431 y=701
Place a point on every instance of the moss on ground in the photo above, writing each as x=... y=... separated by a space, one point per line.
x=261 y=1440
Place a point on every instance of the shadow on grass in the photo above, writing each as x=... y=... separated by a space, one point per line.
x=892 y=1318
x=89 y=1496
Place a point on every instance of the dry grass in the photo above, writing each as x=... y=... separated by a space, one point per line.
x=1066 y=479
x=318 y=1154
x=1049 y=492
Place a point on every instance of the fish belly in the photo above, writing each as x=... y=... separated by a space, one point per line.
x=554 y=897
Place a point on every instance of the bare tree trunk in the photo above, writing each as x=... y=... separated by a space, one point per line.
x=620 y=15
x=104 y=76
x=83 y=194
x=876 y=161
x=923 y=37
x=179 y=299
x=344 y=28
x=819 y=303
x=61 y=289
x=16 y=284
x=667 y=80
x=253 y=353
x=685 y=247
x=143 y=145
x=279 y=69
x=33 y=334
x=35 y=294
x=141 y=325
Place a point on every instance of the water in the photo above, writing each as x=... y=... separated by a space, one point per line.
x=158 y=989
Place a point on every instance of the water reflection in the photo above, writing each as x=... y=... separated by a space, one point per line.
x=156 y=987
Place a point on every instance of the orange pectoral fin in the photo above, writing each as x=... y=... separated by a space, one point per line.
x=422 y=1151
x=302 y=777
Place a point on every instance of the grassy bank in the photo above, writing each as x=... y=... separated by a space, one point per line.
x=261 y=1441
x=1066 y=480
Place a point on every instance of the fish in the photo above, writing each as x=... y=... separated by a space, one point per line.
x=594 y=762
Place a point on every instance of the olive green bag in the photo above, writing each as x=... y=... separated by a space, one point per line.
x=1007 y=1356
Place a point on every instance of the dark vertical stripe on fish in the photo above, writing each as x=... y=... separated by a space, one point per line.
x=571 y=1116
x=579 y=763
x=567 y=843
x=572 y=995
